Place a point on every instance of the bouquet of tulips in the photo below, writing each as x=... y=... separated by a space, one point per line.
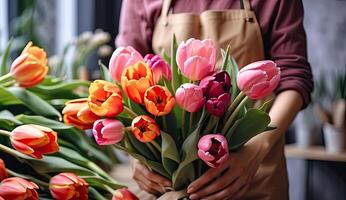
x=180 y=114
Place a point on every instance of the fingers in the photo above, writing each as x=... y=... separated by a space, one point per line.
x=146 y=188
x=205 y=178
x=222 y=182
x=152 y=176
x=242 y=192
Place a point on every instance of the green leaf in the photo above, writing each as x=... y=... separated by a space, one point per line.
x=234 y=73
x=7 y=98
x=266 y=106
x=253 y=123
x=8 y=120
x=4 y=68
x=100 y=182
x=185 y=172
x=105 y=75
x=176 y=77
x=166 y=57
x=170 y=154
x=43 y=121
x=34 y=103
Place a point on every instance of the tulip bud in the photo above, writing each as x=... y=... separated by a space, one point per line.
x=158 y=100
x=145 y=128
x=78 y=114
x=159 y=67
x=124 y=194
x=196 y=58
x=190 y=97
x=34 y=140
x=216 y=84
x=108 y=131
x=121 y=58
x=18 y=188
x=105 y=99
x=257 y=80
x=218 y=106
x=3 y=172
x=68 y=186
x=30 y=68
x=136 y=79
x=213 y=149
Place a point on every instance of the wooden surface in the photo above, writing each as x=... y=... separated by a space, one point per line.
x=313 y=153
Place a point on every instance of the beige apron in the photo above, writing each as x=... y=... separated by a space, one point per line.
x=239 y=28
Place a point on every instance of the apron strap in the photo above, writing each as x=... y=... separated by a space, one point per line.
x=166 y=5
x=245 y=4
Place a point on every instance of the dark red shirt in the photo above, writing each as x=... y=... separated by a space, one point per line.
x=281 y=23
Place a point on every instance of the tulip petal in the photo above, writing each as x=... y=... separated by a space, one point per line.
x=196 y=68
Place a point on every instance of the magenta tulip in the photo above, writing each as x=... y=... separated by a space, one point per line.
x=108 y=131
x=159 y=67
x=257 y=80
x=216 y=84
x=196 y=58
x=213 y=149
x=121 y=58
x=190 y=97
x=217 y=106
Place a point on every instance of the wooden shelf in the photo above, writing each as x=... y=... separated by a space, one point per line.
x=313 y=153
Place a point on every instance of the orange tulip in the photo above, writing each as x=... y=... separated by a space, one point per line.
x=124 y=194
x=144 y=128
x=77 y=113
x=16 y=188
x=3 y=172
x=68 y=186
x=30 y=68
x=135 y=80
x=158 y=100
x=105 y=99
x=34 y=140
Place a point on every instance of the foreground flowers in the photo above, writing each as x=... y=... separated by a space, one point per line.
x=124 y=194
x=145 y=128
x=257 y=80
x=190 y=97
x=30 y=68
x=196 y=58
x=158 y=100
x=213 y=149
x=3 y=173
x=17 y=188
x=34 y=140
x=77 y=113
x=108 y=131
x=105 y=99
x=68 y=186
x=159 y=67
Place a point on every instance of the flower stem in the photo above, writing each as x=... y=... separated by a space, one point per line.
x=9 y=83
x=231 y=119
x=100 y=171
x=39 y=182
x=234 y=104
x=152 y=149
x=128 y=111
x=96 y=194
x=183 y=115
x=5 y=133
x=164 y=123
x=191 y=120
x=5 y=78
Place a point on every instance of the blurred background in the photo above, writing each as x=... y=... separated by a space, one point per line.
x=315 y=150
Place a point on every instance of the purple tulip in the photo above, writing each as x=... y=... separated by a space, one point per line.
x=190 y=97
x=108 y=131
x=159 y=67
x=216 y=84
x=213 y=149
x=218 y=106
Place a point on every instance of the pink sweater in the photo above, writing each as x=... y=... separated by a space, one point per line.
x=281 y=23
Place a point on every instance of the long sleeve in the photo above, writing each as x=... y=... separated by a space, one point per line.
x=287 y=47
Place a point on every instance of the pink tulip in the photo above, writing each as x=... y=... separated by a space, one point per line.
x=108 y=131
x=159 y=67
x=190 y=97
x=257 y=80
x=121 y=58
x=216 y=84
x=196 y=58
x=218 y=106
x=213 y=149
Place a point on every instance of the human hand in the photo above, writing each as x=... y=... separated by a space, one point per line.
x=231 y=180
x=149 y=181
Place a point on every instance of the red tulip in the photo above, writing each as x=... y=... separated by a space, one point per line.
x=145 y=128
x=159 y=67
x=216 y=85
x=213 y=149
x=16 y=188
x=68 y=186
x=257 y=80
x=3 y=172
x=34 y=140
x=218 y=106
x=124 y=194
x=108 y=131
